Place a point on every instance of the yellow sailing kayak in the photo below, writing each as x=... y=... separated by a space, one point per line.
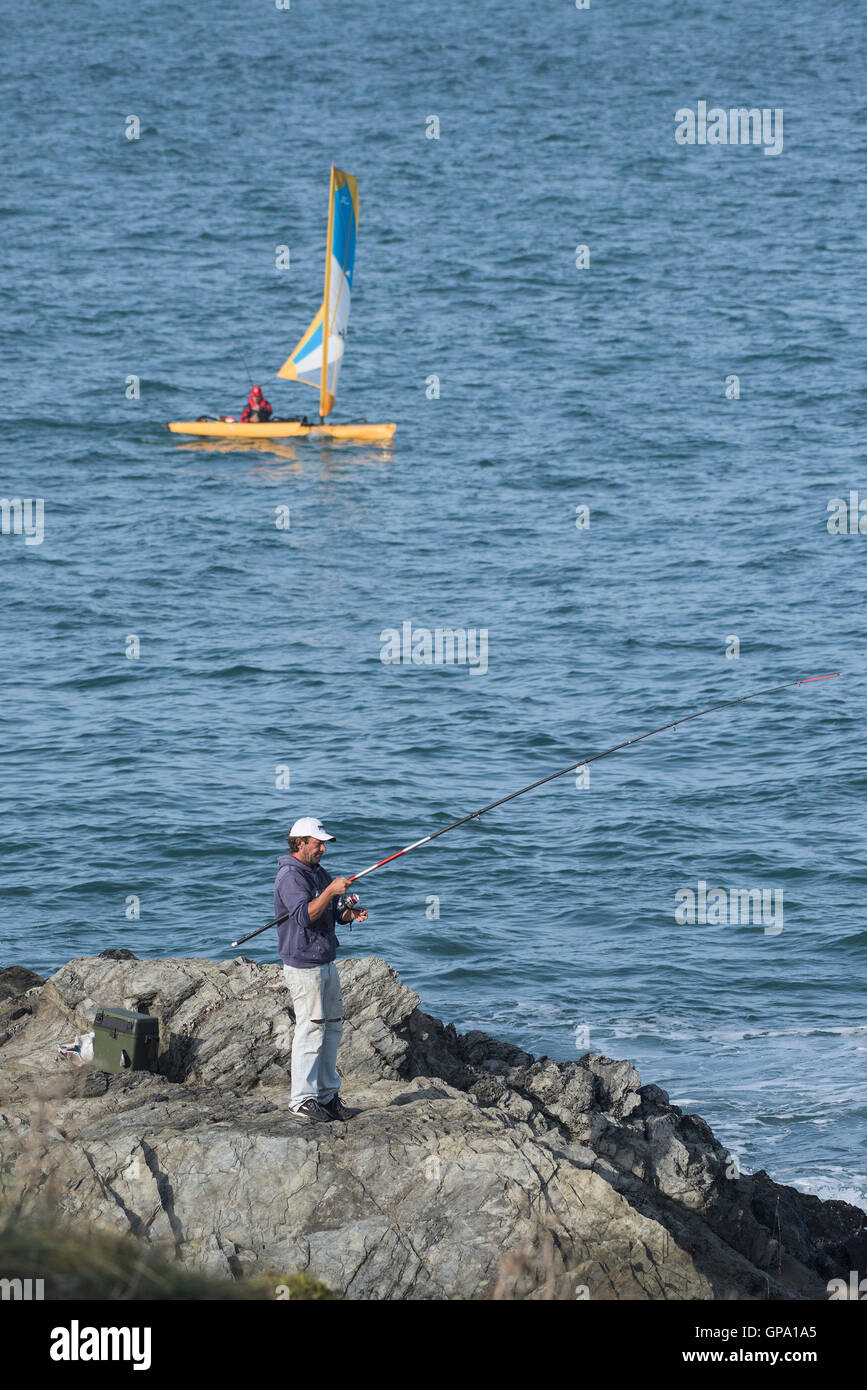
x=317 y=359
x=283 y=429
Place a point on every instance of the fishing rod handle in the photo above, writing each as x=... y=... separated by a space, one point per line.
x=251 y=934
x=275 y=922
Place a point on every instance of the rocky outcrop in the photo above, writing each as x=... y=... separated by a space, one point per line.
x=473 y=1170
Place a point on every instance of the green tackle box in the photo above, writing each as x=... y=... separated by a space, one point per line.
x=124 y=1040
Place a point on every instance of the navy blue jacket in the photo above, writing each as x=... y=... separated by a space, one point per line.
x=303 y=943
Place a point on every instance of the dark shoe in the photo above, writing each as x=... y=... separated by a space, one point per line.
x=337 y=1110
x=312 y=1110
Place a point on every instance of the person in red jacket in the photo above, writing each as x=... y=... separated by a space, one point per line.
x=257 y=408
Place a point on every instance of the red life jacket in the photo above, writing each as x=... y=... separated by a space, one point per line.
x=256 y=405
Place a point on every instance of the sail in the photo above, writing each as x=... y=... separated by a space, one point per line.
x=308 y=362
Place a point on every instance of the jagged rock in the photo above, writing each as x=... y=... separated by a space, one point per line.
x=474 y=1170
x=19 y=990
x=17 y=980
x=617 y=1083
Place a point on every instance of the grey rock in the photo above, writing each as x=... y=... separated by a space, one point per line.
x=472 y=1171
x=19 y=991
x=616 y=1083
x=15 y=980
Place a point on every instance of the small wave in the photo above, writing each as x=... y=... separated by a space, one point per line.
x=833 y=1187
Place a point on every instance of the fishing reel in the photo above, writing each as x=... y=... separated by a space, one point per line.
x=345 y=902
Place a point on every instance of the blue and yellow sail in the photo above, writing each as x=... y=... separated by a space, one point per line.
x=317 y=358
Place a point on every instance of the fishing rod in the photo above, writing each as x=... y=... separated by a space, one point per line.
x=243 y=358
x=551 y=777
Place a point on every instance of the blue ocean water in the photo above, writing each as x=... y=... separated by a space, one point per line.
x=158 y=782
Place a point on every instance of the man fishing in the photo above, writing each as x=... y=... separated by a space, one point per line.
x=308 y=897
x=257 y=408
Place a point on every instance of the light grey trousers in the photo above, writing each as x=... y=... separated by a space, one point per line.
x=318 y=1004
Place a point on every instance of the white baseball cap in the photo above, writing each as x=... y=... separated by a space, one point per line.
x=309 y=825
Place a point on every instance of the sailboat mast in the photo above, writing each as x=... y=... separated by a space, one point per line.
x=326 y=317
